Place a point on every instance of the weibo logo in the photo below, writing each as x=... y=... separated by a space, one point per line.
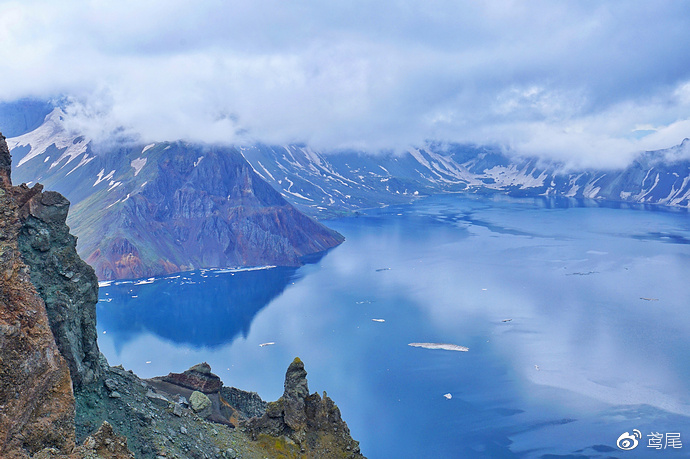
x=627 y=442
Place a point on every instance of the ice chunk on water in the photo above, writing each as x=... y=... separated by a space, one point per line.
x=444 y=346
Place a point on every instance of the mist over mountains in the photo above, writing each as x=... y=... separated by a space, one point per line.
x=585 y=84
x=142 y=210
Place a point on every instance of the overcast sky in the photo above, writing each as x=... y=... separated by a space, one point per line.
x=589 y=83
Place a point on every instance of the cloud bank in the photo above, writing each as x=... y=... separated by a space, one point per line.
x=583 y=82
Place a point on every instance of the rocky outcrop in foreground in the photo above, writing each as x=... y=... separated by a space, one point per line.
x=36 y=399
x=308 y=424
x=66 y=283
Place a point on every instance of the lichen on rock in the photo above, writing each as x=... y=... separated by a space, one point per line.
x=200 y=403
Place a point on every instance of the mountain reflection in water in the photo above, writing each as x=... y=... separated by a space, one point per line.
x=201 y=308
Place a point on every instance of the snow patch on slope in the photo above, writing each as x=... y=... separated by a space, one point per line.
x=100 y=178
x=138 y=164
x=51 y=132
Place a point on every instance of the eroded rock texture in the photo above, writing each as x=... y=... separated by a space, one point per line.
x=310 y=422
x=104 y=443
x=36 y=399
x=199 y=378
x=66 y=283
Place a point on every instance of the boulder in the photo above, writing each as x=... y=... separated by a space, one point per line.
x=200 y=404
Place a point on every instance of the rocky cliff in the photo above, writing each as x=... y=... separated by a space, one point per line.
x=36 y=399
x=66 y=283
x=196 y=207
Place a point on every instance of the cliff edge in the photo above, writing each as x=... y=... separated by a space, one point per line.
x=36 y=399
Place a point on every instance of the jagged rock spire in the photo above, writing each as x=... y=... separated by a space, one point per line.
x=5 y=164
x=310 y=422
x=296 y=386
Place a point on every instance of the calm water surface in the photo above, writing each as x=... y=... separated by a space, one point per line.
x=576 y=319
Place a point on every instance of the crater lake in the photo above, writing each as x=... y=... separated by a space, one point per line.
x=574 y=313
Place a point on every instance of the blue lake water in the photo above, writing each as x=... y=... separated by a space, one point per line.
x=577 y=320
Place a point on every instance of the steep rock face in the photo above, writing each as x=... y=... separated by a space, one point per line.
x=249 y=404
x=200 y=207
x=5 y=164
x=310 y=422
x=36 y=399
x=65 y=282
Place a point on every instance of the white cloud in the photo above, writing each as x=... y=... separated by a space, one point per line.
x=570 y=80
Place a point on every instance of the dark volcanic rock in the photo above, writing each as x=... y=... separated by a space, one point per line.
x=5 y=164
x=249 y=404
x=104 y=443
x=312 y=422
x=66 y=283
x=36 y=399
x=199 y=377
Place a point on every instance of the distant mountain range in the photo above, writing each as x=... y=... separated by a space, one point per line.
x=142 y=210
x=328 y=184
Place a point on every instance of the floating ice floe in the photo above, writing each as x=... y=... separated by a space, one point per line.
x=267 y=344
x=239 y=270
x=448 y=395
x=105 y=283
x=143 y=282
x=378 y=320
x=444 y=346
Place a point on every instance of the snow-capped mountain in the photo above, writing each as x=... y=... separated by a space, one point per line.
x=143 y=210
x=327 y=184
